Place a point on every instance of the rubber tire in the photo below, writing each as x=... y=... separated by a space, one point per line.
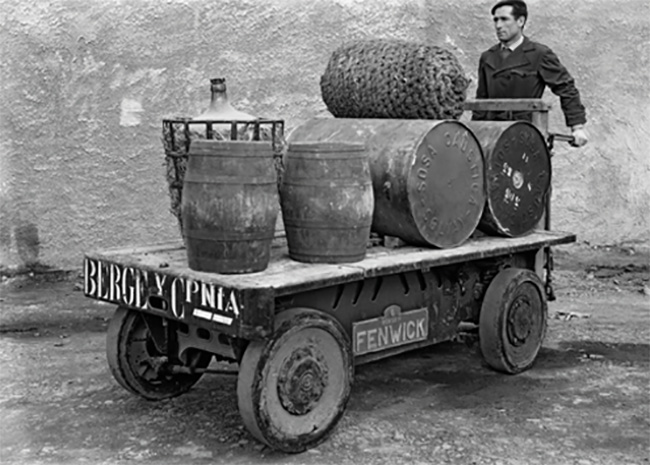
x=120 y=336
x=507 y=286
x=257 y=382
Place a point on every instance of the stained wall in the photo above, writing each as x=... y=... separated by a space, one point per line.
x=84 y=86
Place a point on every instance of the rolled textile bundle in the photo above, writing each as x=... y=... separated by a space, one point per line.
x=393 y=79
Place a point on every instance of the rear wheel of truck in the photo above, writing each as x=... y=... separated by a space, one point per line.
x=512 y=322
x=293 y=388
x=138 y=364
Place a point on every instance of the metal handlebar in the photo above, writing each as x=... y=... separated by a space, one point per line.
x=553 y=137
x=550 y=294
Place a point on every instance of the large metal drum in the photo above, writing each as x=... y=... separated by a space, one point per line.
x=517 y=173
x=229 y=206
x=327 y=202
x=427 y=175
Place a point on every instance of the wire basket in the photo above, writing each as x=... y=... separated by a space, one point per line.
x=178 y=134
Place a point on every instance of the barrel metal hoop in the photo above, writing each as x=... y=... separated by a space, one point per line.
x=327 y=146
x=229 y=236
x=313 y=155
x=331 y=257
x=334 y=182
x=234 y=148
x=257 y=181
x=319 y=225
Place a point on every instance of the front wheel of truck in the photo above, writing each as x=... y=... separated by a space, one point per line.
x=293 y=388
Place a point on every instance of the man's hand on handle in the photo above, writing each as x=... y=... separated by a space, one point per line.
x=579 y=136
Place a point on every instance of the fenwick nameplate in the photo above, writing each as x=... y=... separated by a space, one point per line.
x=391 y=330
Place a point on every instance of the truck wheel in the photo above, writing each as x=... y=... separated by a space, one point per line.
x=293 y=388
x=512 y=323
x=137 y=364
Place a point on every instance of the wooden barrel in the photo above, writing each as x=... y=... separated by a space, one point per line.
x=427 y=176
x=327 y=202
x=517 y=176
x=229 y=206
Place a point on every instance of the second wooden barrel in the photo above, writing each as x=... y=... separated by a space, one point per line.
x=229 y=206
x=327 y=202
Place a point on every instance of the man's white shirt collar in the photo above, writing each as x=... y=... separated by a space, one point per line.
x=514 y=46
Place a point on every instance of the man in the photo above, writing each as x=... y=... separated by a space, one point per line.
x=517 y=67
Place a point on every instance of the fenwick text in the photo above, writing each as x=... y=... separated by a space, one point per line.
x=392 y=330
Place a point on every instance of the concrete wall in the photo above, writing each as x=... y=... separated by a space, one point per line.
x=84 y=86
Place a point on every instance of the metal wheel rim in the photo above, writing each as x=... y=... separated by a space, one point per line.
x=326 y=407
x=145 y=360
x=523 y=325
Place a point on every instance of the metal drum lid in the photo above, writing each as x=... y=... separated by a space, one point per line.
x=518 y=176
x=446 y=185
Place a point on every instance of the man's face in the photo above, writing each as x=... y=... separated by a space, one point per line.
x=507 y=27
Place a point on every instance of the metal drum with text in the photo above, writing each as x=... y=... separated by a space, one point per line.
x=517 y=176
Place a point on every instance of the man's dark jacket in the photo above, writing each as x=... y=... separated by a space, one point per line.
x=523 y=74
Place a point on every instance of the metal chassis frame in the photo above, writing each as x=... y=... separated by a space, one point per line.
x=452 y=295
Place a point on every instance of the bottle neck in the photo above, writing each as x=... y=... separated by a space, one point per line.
x=220 y=108
x=219 y=94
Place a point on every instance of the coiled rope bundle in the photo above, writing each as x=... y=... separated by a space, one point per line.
x=393 y=79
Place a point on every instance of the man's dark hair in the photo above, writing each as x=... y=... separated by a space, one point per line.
x=519 y=8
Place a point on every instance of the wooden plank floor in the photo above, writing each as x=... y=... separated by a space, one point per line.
x=286 y=276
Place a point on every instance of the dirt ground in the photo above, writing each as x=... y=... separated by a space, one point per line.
x=586 y=400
